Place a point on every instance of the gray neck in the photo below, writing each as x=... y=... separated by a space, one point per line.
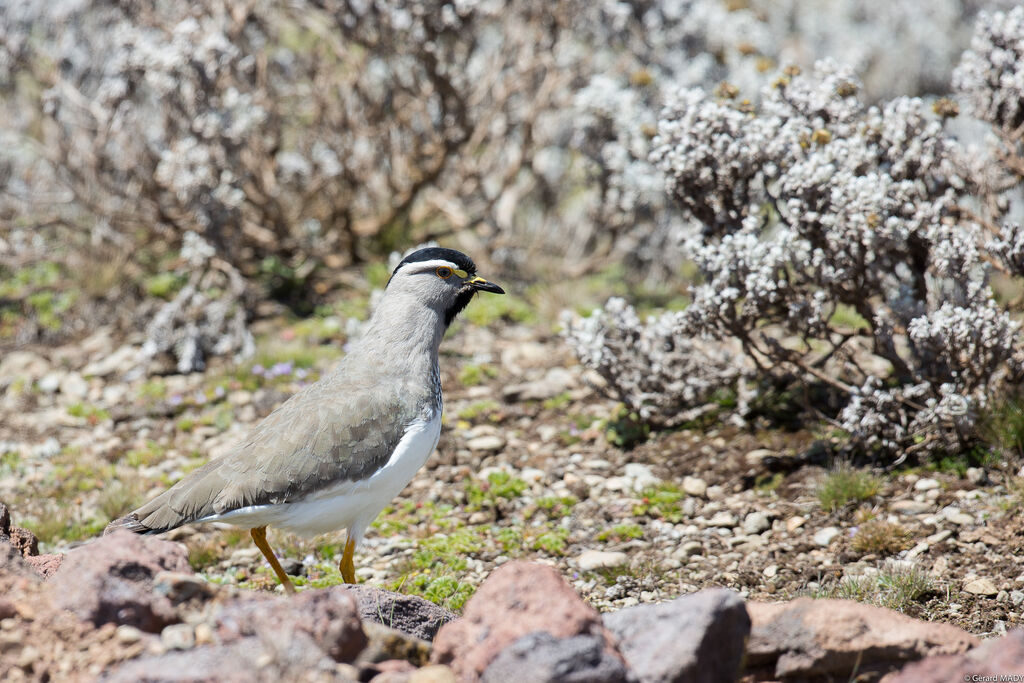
x=403 y=335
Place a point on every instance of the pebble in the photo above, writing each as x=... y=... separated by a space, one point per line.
x=981 y=586
x=688 y=549
x=204 y=633
x=178 y=637
x=1017 y=597
x=755 y=457
x=926 y=484
x=910 y=507
x=770 y=571
x=794 y=523
x=939 y=537
x=591 y=560
x=49 y=383
x=127 y=634
x=435 y=673
x=755 y=523
x=74 y=386
x=823 y=537
x=954 y=515
x=641 y=476
x=724 y=519
x=694 y=486
x=489 y=442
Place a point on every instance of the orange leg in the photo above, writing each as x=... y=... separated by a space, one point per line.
x=259 y=537
x=347 y=566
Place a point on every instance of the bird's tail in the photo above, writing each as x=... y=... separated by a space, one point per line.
x=129 y=522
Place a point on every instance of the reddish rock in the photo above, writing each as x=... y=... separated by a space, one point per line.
x=111 y=580
x=45 y=565
x=809 y=638
x=23 y=540
x=517 y=599
x=327 y=618
x=994 y=660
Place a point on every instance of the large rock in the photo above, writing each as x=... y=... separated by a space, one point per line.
x=541 y=658
x=111 y=580
x=809 y=638
x=328 y=618
x=517 y=599
x=410 y=614
x=24 y=543
x=23 y=540
x=694 y=638
x=990 y=661
x=264 y=637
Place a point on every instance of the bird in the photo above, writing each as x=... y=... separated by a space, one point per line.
x=337 y=452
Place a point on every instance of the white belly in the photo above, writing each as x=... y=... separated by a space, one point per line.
x=351 y=505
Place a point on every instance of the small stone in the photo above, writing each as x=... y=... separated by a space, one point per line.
x=434 y=673
x=976 y=475
x=591 y=560
x=794 y=523
x=641 y=476
x=1002 y=596
x=981 y=586
x=723 y=519
x=757 y=456
x=204 y=633
x=178 y=637
x=488 y=442
x=74 y=386
x=755 y=523
x=926 y=484
x=910 y=507
x=954 y=515
x=939 y=537
x=770 y=572
x=127 y=634
x=823 y=537
x=49 y=383
x=715 y=492
x=688 y=549
x=1017 y=598
x=694 y=486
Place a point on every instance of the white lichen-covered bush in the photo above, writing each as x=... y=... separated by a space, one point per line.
x=665 y=376
x=205 y=318
x=825 y=221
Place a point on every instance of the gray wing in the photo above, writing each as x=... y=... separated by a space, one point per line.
x=338 y=429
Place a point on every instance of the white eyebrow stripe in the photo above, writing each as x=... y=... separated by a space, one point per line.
x=423 y=266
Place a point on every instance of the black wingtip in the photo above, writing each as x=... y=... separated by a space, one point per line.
x=128 y=523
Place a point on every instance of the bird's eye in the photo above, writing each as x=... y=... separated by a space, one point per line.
x=444 y=272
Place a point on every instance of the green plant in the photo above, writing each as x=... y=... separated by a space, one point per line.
x=472 y=374
x=92 y=414
x=895 y=587
x=846 y=485
x=661 y=502
x=621 y=532
x=478 y=409
x=626 y=429
x=499 y=486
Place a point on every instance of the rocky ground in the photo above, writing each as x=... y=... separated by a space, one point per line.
x=527 y=468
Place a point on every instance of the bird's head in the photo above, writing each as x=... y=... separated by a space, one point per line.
x=444 y=279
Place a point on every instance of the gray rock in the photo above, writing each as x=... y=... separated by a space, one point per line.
x=410 y=614
x=590 y=560
x=910 y=507
x=756 y=522
x=695 y=638
x=823 y=537
x=694 y=486
x=982 y=586
x=539 y=657
x=488 y=442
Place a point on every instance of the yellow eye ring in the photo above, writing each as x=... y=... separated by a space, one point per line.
x=443 y=272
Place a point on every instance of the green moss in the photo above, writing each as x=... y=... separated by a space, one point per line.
x=559 y=402
x=846 y=485
x=149 y=454
x=165 y=285
x=552 y=541
x=621 y=532
x=661 y=502
x=487 y=310
x=471 y=375
x=499 y=486
x=446 y=591
x=478 y=409
x=92 y=414
x=768 y=482
x=625 y=429
x=556 y=506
